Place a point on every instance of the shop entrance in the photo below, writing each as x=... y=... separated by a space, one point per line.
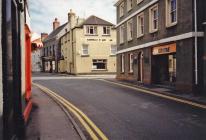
x=164 y=65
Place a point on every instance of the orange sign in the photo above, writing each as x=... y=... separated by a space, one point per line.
x=166 y=49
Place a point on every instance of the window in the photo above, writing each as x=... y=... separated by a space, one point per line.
x=113 y=50
x=121 y=34
x=129 y=5
x=122 y=63
x=131 y=63
x=91 y=30
x=140 y=25
x=171 y=16
x=129 y=30
x=99 y=64
x=85 y=50
x=139 y=1
x=106 y=30
x=121 y=9
x=154 y=18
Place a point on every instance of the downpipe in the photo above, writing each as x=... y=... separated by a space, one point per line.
x=196 y=45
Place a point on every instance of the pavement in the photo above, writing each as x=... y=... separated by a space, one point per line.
x=123 y=113
x=48 y=121
x=166 y=90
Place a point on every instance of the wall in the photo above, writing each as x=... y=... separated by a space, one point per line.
x=99 y=48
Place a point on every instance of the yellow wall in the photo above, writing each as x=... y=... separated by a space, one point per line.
x=98 y=49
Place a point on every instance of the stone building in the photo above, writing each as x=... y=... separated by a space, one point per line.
x=89 y=46
x=161 y=42
x=51 y=50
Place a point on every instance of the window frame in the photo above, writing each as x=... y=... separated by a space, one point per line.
x=83 y=49
x=131 y=60
x=122 y=63
x=113 y=48
x=129 y=5
x=169 y=22
x=140 y=33
x=121 y=9
x=130 y=32
x=152 y=19
x=122 y=34
x=88 y=30
x=108 y=28
x=104 y=61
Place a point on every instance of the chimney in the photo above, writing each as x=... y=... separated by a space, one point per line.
x=56 y=24
x=71 y=18
x=43 y=36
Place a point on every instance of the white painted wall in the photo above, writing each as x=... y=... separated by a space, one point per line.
x=36 y=61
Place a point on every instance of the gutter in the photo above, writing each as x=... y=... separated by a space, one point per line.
x=196 y=45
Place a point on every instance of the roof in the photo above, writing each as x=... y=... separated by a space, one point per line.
x=93 y=20
x=55 y=32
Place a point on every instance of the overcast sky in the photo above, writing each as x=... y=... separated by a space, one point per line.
x=43 y=12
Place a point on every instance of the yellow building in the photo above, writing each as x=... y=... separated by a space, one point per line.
x=88 y=47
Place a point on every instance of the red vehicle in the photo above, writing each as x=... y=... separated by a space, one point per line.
x=15 y=69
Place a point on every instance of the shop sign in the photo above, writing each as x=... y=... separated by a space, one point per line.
x=166 y=49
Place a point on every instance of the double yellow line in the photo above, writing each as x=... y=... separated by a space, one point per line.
x=94 y=132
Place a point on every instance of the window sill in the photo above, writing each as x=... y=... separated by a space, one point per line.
x=99 y=70
x=85 y=55
x=129 y=40
x=122 y=73
x=139 y=36
x=129 y=10
x=91 y=35
x=106 y=35
x=168 y=25
x=153 y=31
x=131 y=73
x=112 y=55
x=139 y=2
x=121 y=43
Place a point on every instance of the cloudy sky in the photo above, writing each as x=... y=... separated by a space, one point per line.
x=43 y=12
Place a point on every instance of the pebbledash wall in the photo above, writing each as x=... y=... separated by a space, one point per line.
x=181 y=34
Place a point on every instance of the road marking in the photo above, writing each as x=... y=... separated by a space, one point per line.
x=84 y=120
x=158 y=94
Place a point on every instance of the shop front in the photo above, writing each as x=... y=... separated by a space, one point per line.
x=164 y=64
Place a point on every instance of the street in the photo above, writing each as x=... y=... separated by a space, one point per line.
x=125 y=114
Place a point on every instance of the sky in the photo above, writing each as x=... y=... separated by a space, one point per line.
x=43 y=12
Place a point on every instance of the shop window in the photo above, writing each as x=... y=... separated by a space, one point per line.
x=99 y=64
x=106 y=30
x=153 y=17
x=140 y=25
x=129 y=30
x=171 y=12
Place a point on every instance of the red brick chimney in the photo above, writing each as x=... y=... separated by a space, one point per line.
x=56 y=24
x=43 y=36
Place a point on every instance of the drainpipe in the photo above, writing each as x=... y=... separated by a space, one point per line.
x=196 y=51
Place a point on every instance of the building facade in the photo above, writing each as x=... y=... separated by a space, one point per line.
x=50 y=53
x=158 y=43
x=89 y=47
x=36 y=54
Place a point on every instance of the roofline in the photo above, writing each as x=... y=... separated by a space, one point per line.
x=118 y=2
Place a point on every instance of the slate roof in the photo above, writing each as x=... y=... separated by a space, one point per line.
x=55 y=32
x=93 y=20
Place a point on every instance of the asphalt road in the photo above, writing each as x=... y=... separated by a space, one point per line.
x=125 y=114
